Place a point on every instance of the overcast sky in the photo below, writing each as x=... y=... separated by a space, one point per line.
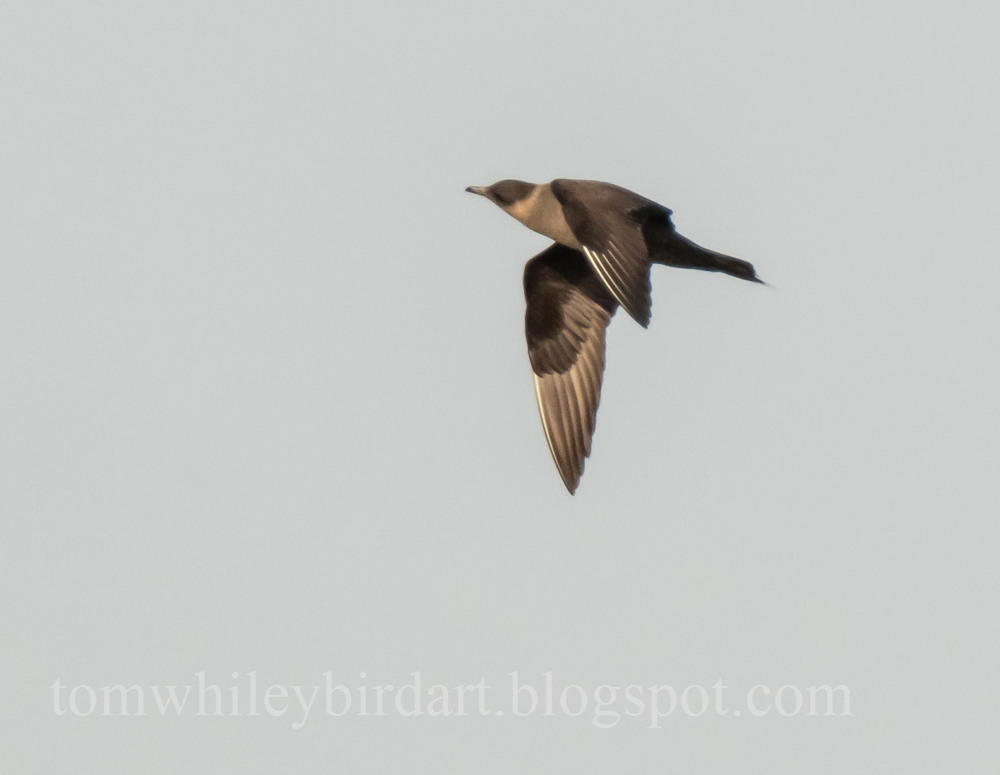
x=266 y=405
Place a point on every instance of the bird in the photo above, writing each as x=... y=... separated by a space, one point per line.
x=605 y=239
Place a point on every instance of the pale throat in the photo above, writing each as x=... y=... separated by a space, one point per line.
x=540 y=211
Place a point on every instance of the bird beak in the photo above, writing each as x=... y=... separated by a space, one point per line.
x=477 y=190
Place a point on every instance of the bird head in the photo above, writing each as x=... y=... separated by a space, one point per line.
x=505 y=193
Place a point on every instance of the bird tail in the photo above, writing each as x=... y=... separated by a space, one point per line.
x=682 y=252
x=737 y=268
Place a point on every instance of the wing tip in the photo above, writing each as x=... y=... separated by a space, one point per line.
x=571 y=482
x=639 y=306
x=642 y=318
x=567 y=472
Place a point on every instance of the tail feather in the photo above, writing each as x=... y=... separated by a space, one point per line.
x=682 y=252
x=737 y=268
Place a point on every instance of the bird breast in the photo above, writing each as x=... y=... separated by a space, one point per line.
x=542 y=212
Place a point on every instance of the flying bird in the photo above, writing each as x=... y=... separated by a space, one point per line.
x=605 y=240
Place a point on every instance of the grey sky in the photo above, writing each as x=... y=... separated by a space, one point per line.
x=266 y=402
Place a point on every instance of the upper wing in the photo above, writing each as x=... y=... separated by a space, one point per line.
x=608 y=222
x=568 y=310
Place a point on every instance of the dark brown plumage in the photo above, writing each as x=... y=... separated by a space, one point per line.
x=606 y=239
x=568 y=311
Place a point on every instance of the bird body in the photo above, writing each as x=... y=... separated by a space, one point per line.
x=606 y=238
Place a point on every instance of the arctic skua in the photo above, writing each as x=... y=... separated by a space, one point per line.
x=605 y=240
